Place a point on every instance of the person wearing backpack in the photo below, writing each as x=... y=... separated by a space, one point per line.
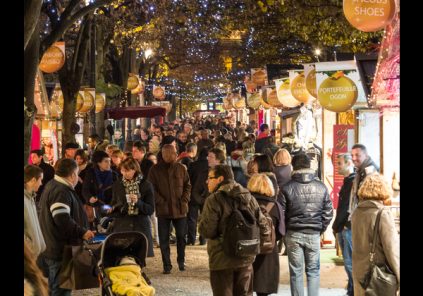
x=230 y=274
x=266 y=264
x=308 y=212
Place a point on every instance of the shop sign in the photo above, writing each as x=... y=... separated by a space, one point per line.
x=369 y=15
x=298 y=87
x=259 y=76
x=100 y=102
x=272 y=98
x=338 y=86
x=159 y=92
x=89 y=99
x=78 y=104
x=310 y=79
x=340 y=145
x=54 y=58
x=283 y=90
x=133 y=81
x=254 y=100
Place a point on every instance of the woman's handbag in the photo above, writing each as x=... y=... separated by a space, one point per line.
x=379 y=280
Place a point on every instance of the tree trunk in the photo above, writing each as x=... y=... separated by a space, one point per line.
x=32 y=9
x=70 y=77
x=31 y=58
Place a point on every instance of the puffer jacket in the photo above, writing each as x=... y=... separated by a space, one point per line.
x=213 y=220
x=306 y=202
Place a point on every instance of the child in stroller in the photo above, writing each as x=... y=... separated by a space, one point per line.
x=127 y=278
x=122 y=258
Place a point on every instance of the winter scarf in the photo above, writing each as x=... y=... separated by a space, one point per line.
x=132 y=186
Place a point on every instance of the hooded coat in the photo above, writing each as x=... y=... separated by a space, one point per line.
x=213 y=220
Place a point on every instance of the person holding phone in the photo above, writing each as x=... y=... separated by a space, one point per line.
x=133 y=201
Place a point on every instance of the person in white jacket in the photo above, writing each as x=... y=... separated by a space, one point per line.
x=33 y=175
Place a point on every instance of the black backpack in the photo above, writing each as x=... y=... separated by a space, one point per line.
x=268 y=244
x=241 y=236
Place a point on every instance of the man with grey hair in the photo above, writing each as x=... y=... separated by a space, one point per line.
x=342 y=226
x=364 y=166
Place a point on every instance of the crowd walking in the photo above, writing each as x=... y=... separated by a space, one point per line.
x=182 y=182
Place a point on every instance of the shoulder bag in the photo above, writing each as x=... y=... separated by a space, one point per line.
x=379 y=280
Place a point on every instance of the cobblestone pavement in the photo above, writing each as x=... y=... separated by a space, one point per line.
x=195 y=280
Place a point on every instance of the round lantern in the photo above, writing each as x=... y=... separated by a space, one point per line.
x=251 y=87
x=100 y=102
x=159 y=93
x=53 y=59
x=89 y=102
x=254 y=101
x=310 y=83
x=78 y=105
x=240 y=103
x=132 y=81
x=337 y=93
x=369 y=16
x=285 y=95
x=228 y=102
x=299 y=90
x=272 y=99
x=259 y=77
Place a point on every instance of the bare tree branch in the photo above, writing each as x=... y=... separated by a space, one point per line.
x=67 y=20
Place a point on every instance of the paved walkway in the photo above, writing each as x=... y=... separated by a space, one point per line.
x=195 y=280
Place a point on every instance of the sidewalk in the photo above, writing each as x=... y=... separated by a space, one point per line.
x=195 y=280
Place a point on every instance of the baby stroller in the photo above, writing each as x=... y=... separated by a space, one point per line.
x=118 y=245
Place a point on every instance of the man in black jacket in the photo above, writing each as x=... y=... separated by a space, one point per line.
x=308 y=212
x=48 y=170
x=341 y=226
x=63 y=220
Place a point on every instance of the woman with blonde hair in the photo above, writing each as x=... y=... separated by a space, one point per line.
x=372 y=194
x=266 y=266
x=283 y=168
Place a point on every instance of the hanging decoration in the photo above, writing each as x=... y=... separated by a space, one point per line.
x=298 y=87
x=79 y=102
x=310 y=79
x=159 y=92
x=272 y=98
x=100 y=102
x=337 y=92
x=339 y=87
x=54 y=58
x=284 y=93
x=89 y=100
x=259 y=76
x=369 y=15
x=386 y=84
x=254 y=100
x=133 y=81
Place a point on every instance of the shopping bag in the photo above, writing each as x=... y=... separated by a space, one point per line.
x=78 y=268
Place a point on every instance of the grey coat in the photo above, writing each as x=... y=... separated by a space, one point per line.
x=387 y=248
x=32 y=230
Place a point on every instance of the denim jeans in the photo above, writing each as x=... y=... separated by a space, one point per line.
x=345 y=242
x=164 y=232
x=303 y=247
x=53 y=278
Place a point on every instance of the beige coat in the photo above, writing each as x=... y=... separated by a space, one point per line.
x=387 y=249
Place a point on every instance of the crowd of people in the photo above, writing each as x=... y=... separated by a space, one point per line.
x=173 y=180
